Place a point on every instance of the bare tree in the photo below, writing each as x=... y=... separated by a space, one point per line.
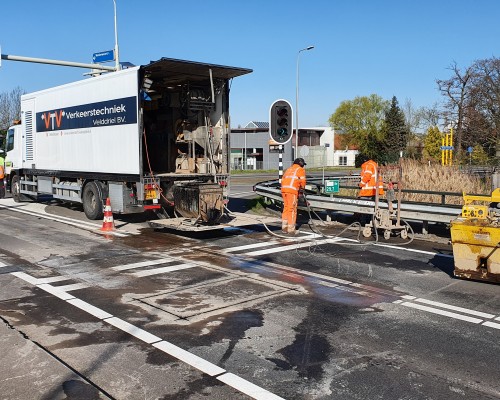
x=484 y=110
x=457 y=89
x=429 y=117
x=10 y=107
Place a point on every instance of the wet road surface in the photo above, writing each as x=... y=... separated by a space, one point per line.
x=239 y=314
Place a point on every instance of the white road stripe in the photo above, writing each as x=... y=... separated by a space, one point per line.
x=25 y=277
x=189 y=358
x=89 y=308
x=3 y=265
x=143 y=264
x=133 y=330
x=491 y=324
x=290 y=247
x=56 y=292
x=454 y=308
x=247 y=387
x=162 y=270
x=431 y=253
x=52 y=279
x=68 y=221
x=251 y=246
x=444 y=313
x=74 y=286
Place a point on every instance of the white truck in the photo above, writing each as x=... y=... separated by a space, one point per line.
x=152 y=137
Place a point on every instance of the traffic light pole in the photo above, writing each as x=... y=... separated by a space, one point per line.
x=280 y=163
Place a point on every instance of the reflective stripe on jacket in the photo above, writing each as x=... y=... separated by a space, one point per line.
x=293 y=179
x=368 y=186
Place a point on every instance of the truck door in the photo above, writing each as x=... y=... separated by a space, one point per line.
x=13 y=156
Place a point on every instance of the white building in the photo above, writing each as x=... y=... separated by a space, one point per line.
x=319 y=146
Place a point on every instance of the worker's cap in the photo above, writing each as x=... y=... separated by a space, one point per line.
x=300 y=161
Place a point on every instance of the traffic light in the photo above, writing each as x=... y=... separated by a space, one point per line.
x=280 y=121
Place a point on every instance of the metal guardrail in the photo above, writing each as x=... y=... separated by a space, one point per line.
x=425 y=212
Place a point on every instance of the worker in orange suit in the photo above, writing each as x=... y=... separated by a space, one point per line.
x=2 y=186
x=294 y=180
x=367 y=185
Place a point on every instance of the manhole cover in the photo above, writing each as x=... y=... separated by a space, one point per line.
x=202 y=299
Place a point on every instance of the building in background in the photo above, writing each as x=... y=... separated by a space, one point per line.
x=252 y=148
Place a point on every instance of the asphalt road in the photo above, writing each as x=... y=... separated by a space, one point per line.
x=235 y=314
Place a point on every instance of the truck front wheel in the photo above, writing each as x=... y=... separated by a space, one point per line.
x=15 y=189
x=92 y=201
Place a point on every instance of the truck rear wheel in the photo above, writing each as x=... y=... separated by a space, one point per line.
x=92 y=201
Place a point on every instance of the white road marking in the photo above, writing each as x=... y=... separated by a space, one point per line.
x=74 y=286
x=143 y=264
x=69 y=221
x=189 y=358
x=56 y=292
x=492 y=324
x=24 y=276
x=431 y=253
x=444 y=313
x=291 y=247
x=163 y=270
x=3 y=265
x=133 y=330
x=89 y=308
x=250 y=246
x=454 y=308
x=52 y=279
x=247 y=387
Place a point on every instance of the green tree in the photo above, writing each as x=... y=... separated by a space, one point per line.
x=432 y=143
x=479 y=156
x=361 y=121
x=396 y=132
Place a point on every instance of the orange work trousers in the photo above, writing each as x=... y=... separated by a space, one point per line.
x=289 y=215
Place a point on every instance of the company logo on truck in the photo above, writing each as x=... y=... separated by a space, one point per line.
x=104 y=113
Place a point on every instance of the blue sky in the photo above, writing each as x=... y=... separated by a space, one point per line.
x=386 y=47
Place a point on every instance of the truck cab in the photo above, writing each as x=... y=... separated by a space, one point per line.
x=12 y=147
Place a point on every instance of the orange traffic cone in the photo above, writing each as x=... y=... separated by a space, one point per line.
x=108 y=223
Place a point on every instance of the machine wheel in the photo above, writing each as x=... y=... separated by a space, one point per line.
x=92 y=201
x=15 y=189
x=367 y=231
x=387 y=234
x=404 y=234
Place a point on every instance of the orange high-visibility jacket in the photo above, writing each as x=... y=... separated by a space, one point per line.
x=2 y=173
x=293 y=179
x=368 y=186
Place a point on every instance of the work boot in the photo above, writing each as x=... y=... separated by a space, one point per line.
x=293 y=231
x=284 y=227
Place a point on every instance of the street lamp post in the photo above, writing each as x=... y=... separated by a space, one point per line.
x=297 y=101
x=117 y=57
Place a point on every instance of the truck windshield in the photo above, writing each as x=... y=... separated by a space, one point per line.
x=10 y=140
